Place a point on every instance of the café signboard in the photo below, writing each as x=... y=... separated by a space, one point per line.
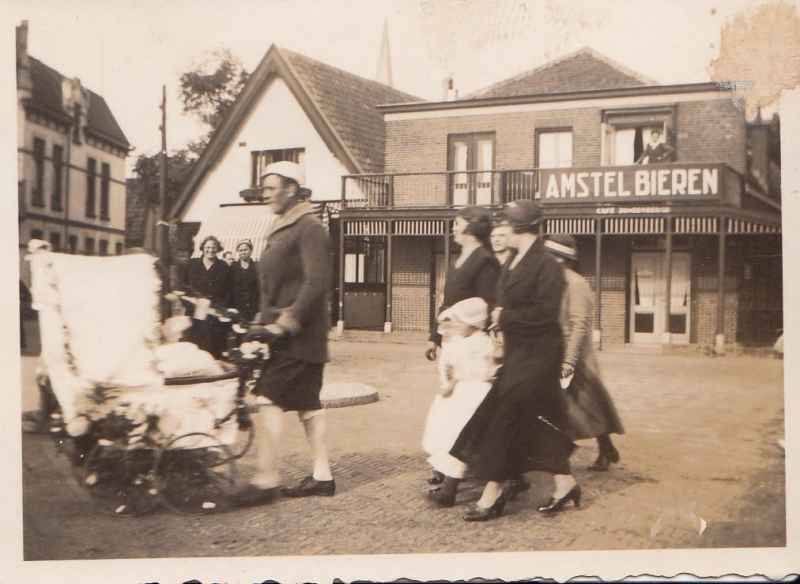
x=631 y=184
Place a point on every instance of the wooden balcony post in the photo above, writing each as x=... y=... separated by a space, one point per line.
x=342 y=229
x=501 y=189
x=387 y=325
x=719 y=341
x=344 y=190
x=598 y=278
x=668 y=267
x=391 y=191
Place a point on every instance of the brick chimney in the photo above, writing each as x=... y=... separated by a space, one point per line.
x=449 y=92
x=24 y=82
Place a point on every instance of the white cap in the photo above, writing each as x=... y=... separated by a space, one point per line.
x=286 y=169
x=472 y=311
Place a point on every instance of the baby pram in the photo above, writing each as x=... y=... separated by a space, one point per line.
x=136 y=438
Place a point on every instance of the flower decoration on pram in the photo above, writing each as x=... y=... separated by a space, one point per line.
x=138 y=433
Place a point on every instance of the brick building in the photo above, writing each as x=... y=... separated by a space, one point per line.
x=701 y=228
x=71 y=162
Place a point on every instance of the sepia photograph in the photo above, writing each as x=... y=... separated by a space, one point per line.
x=319 y=279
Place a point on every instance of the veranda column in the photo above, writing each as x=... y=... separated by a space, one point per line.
x=667 y=339
x=387 y=325
x=719 y=341
x=340 y=323
x=598 y=254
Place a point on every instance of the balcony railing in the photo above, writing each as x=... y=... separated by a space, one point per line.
x=618 y=184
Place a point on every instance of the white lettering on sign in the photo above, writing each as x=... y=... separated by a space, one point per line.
x=632 y=210
x=644 y=183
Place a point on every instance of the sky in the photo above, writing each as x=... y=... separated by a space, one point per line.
x=126 y=50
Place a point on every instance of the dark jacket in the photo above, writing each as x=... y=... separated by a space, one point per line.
x=476 y=277
x=244 y=289
x=294 y=272
x=213 y=283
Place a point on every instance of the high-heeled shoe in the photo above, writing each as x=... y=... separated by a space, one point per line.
x=604 y=460
x=437 y=478
x=477 y=513
x=444 y=495
x=555 y=505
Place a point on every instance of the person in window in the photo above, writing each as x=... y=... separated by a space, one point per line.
x=473 y=275
x=657 y=151
x=244 y=281
x=209 y=277
x=294 y=278
x=519 y=426
x=590 y=409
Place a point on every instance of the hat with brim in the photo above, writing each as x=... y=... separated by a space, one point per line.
x=563 y=246
x=522 y=213
x=472 y=311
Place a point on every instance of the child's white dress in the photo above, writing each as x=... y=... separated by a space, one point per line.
x=471 y=363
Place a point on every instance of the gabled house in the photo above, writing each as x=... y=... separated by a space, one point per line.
x=293 y=108
x=679 y=250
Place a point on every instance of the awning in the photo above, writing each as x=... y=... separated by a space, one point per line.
x=231 y=224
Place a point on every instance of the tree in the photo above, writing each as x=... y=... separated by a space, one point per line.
x=207 y=92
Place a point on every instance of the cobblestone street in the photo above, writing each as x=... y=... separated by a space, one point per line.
x=700 y=454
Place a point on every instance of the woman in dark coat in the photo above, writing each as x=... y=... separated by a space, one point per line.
x=474 y=274
x=517 y=427
x=244 y=282
x=209 y=277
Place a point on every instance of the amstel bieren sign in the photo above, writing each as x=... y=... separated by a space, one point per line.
x=632 y=184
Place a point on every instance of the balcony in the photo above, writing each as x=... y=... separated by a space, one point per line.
x=684 y=182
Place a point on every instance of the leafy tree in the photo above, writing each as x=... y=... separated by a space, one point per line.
x=207 y=92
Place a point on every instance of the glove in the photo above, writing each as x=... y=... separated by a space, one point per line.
x=430 y=354
x=263 y=334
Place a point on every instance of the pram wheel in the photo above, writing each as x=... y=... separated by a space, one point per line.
x=196 y=474
x=120 y=480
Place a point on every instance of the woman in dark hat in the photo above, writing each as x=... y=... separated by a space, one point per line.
x=473 y=274
x=244 y=281
x=518 y=427
x=209 y=277
x=590 y=409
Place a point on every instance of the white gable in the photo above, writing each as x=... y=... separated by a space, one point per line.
x=277 y=121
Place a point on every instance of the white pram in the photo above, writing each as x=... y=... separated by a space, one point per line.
x=136 y=438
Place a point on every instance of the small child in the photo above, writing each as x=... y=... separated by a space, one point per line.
x=467 y=366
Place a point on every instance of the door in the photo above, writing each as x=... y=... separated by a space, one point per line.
x=472 y=158
x=648 y=321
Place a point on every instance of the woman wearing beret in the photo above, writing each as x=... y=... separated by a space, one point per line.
x=590 y=409
x=209 y=277
x=473 y=275
x=518 y=427
x=244 y=281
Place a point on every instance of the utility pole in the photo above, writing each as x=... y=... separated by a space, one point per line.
x=162 y=224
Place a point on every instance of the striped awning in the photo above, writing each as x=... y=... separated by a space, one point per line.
x=234 y=223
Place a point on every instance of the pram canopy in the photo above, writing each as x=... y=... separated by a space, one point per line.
x=100 y=331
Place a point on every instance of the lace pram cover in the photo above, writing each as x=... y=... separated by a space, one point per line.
x=100 y=330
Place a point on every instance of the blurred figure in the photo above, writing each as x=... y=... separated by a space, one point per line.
x=499 y=241
x=244 y=281
x=227 y=257
x=209 y=277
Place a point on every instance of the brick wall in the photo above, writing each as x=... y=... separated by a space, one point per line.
x=411 y=281
x=706 y=131
x=614 y=283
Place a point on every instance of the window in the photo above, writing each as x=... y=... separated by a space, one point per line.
x=38 y=170
x=472 y=157
x=88 y=246
x=55 y=240
x=58 y=177
x=105 y=183
x=629 y=131
x=103 y=247
x=262 y=158
x=118 y=248
x=73 y=244
x=554 y=148
x=91 y=172
x=37 y=234
x=364 y=261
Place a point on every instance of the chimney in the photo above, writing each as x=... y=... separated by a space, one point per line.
x=24 y=82
x=449 y=92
